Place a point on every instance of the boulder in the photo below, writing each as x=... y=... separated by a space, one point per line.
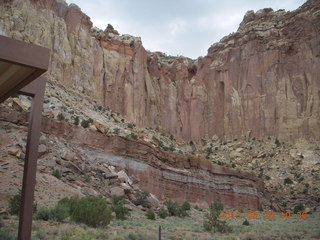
x=118 y=191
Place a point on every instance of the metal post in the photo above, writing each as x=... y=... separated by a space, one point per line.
x=36 y=91
x=159 y=232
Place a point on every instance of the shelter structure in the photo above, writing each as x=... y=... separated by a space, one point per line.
x=21 y=65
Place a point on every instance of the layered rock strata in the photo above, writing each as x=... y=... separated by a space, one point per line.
x=166 y=175
x=263 y=79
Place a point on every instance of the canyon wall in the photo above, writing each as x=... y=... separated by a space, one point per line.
x=263 y=79
x=165 y=174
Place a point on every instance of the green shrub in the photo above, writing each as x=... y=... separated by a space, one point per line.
x=174 y=209
x=130 y=125
x=246 y=222
x=298 y=208
x=150 y=214
x=287 y=181
x=277 y=142
x=76 y=121
x=116 y=131
x=186 y=206
x=85 y=123
x=172 y=148
x=59 y=213
x=142 y=198
x=56 y=173
x=60 y=117
x=212 y=222
x=1 y=223
x=163 y=213
x=133 y=136
x=43 y=214
x=5 y=234
x=14 y=204
x=118 y=207
x=92 y=211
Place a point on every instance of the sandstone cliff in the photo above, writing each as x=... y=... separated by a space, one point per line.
x=263 y=79
x=78 y=151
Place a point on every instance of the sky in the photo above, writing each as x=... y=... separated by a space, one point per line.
x=176 y=27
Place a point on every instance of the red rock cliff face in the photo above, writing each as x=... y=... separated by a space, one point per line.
x=264 y=78
x=165 y=174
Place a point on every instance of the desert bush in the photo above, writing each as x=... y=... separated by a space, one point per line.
x=298 y=208
x=86 y=123
x=163 y=213
x=15 y=203
x=116 y=131
x=133 y=136
x=150 y=214
x=5 y=234
x=130 y=125
x=60 y=212
x=76 y=121
x=246 y=222
x=142 y=198
x=118 y=207
x=70 y=203
x=56 y=173
x=186 y=206
x=212 y=222
x=43 y=214
x=277 y=142
x=92 y=211
x=287 y=181
x=174 y=209
x=60 y=117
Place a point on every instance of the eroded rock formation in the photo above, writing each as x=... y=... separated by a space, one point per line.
x=165 y=174
x=264 y=78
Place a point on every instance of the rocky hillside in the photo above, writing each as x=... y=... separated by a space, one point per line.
x=263 y=79
x=251 y=104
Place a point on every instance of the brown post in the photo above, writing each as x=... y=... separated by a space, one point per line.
x=36 y=90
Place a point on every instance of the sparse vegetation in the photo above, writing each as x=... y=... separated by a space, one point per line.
x=86 y=123
x=76 y=121
x=92 y=211
x=150 y=214
x=56 y=173
x=133 y=136
x=287 y=181
x=212 y=222
x=116 y=131
x=246 y=222
x=14 y=204
x=142 y=198
x=174 y=209
x=298 y=208
x=186 y=206
x=61 y=117
x=163 y=213
x=118 y=207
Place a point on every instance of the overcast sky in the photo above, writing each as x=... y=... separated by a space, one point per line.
x=176 y=27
